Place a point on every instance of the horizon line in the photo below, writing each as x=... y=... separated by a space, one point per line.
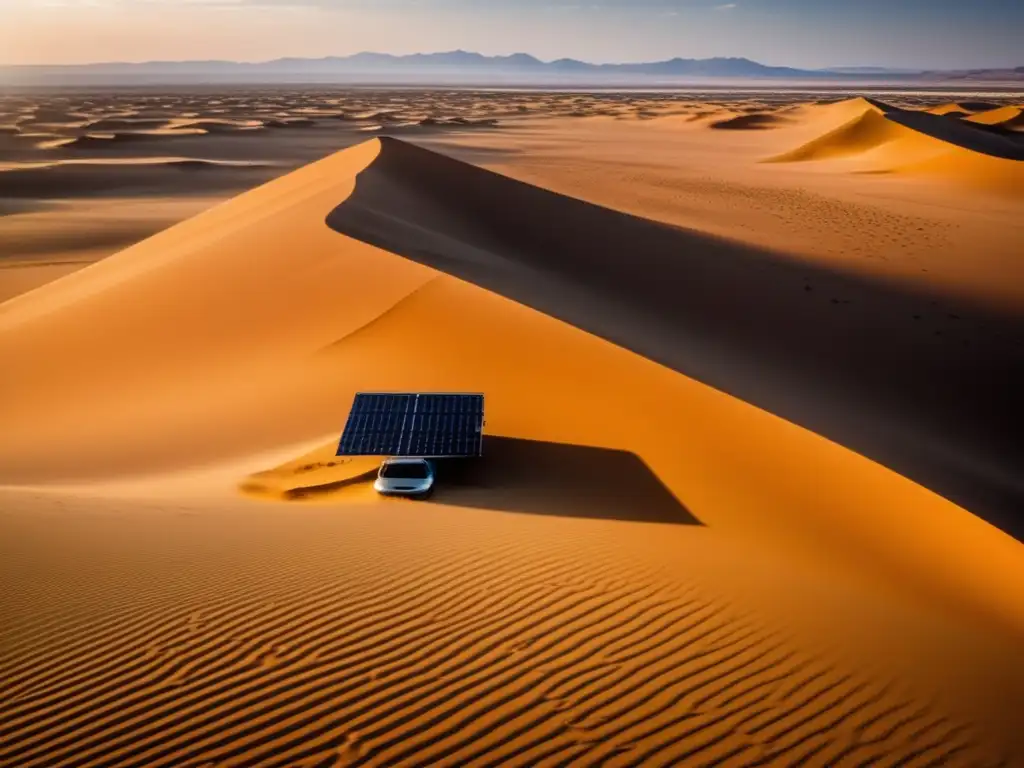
x=256 y=62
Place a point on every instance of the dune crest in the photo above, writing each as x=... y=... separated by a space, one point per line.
x=884 y=139
x=653 y=572
x=1004 y=117
x=465 y=221
x=233 y=292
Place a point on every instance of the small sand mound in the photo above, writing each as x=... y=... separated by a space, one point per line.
x=291 y=122
x=61 y=180
x=950 y=108
x=126 y=124
x=961 y=107
x=44 y=115
x=702 y=114
x=457 y=122
x=755 y=121
x=978 y=106
x=222 y=126
x=108 y=141
x=1004 y=117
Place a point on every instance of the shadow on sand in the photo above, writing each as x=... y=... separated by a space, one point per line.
x=923 y=383
x=559 y=479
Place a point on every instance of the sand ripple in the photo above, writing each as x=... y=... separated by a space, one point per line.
x=441 y=639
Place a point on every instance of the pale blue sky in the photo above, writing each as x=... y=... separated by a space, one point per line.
x=801 y=33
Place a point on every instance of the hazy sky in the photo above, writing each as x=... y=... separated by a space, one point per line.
x=802 y=33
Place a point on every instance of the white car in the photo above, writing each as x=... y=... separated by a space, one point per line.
x=405 y=477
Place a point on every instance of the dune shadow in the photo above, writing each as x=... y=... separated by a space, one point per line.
x=922 y=382
x=962 y=133
x=559 y=479
x=755 y=121
x=468 y=153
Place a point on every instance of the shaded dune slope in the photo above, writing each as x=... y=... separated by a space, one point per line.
x=58 y=180
x=873 y=123
x=961 y=133
x=917 y=383
x=111 y=140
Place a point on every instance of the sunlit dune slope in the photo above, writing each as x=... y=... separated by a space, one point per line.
x=961 y=108
x=172 y=351
x=1004 y=117
x=950 y=108
x=879 y=138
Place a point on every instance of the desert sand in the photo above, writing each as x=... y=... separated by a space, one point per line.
x=751 y=485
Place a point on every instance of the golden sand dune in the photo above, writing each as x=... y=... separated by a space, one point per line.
x=102 y=141
x=959 y=108
x=126 y=124
x=951 y=108
x=883 y=139
x=1005 y=117
x=759 y=313
x=290 y=122
x=220 y=126
x=685 y=577
x=397 y=635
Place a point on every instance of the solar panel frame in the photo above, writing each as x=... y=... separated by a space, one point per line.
x=421 y=424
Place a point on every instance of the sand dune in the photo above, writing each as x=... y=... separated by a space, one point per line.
x=874 y=124
x=221 y=126
x=58 y=180
x=126 y=124
x=459 y=637
x=791 y=315
x=103 y=141
x=1004 y=117
x=752 y=121
x=644 y=570
x=883 y=139
x=951 y=108
x=957 y=108
x=106 y=345
x=291 y=122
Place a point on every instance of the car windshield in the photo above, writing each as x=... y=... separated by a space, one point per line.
x=405 y=470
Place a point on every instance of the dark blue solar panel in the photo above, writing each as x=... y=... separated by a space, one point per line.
x=408 y=424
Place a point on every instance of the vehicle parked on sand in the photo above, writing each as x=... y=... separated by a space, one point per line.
x=411 y=476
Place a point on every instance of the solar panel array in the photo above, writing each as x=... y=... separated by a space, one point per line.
x=410 y=424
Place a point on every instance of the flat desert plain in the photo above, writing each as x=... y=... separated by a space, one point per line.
x=752 y=484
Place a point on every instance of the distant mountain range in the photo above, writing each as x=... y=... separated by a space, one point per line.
x=464 y=67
